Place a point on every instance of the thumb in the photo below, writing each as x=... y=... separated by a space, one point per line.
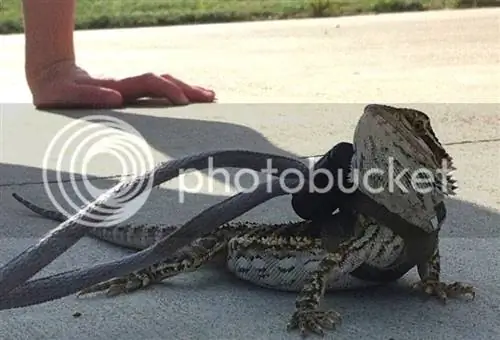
x=84 y=96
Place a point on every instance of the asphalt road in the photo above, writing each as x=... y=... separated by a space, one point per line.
x=293 y=88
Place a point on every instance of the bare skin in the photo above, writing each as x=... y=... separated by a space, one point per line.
x=56 y=81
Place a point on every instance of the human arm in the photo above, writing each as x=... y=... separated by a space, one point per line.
x=55 y=80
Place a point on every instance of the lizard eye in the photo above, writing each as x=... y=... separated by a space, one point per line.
x=419 y=126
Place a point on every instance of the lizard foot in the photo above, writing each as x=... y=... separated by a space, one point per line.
x=443 y=290
x=314 y=321
x=121 y=285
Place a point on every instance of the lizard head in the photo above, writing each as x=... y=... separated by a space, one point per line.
x=415 y=136
x=404 y=139
x=414 y=129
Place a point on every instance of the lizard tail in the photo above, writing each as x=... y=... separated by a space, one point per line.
x=134 y=237
x=51 y=214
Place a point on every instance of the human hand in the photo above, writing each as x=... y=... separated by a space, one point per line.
x=65 y=85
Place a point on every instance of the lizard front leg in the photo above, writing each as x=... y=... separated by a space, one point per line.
x=348 y=256
x=431 y=285
x=185 y=260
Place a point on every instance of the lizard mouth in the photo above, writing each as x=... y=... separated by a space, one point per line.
x=443 y=161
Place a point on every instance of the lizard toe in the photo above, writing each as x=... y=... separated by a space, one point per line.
x=120 y=285
x=457 y=289
x=101 y=286
x=314 y=321
x=442 y=291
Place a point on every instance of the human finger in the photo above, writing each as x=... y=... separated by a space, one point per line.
x=148 y=85
x=194 y=93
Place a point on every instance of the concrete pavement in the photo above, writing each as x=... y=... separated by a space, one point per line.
x=278 y=84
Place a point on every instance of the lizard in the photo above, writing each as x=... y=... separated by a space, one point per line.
x=313 y=257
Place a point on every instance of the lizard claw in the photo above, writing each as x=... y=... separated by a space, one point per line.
x=314 y=321
x=121 y=285
x=443 y=290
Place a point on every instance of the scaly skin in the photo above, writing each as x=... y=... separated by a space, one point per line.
x=292 y=257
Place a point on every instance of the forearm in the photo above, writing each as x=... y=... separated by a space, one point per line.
x=49 y=29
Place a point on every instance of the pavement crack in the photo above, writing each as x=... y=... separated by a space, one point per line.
x=462 y=142
x=477 y=141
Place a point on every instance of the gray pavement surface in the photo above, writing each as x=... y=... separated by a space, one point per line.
x=293 y=88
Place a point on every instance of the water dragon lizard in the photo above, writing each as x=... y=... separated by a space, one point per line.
x=313 y=257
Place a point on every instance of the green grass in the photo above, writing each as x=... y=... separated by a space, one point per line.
x=94 y=14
